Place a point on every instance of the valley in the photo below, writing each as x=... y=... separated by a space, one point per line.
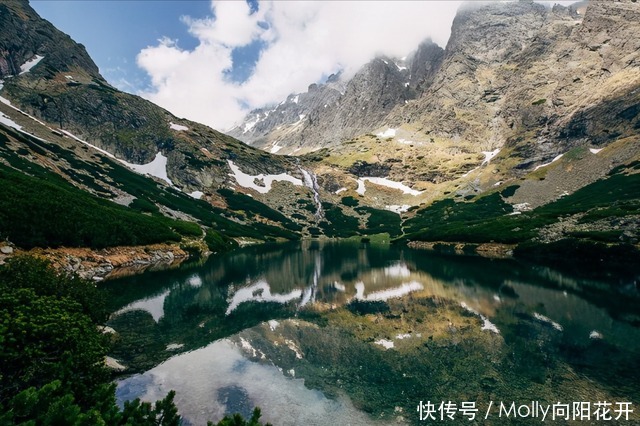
x=466 y=217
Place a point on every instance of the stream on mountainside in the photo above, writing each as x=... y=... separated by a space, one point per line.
x=320 y=333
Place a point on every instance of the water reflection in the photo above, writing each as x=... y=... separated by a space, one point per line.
x=261 y=292
x=153 y=305
x=218 y=379
x=229 y=321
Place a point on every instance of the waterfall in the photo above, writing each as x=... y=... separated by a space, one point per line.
x=311 y=182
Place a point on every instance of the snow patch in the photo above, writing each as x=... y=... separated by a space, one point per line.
x=26 y=67
x=250 y=124
x=519 y=208
x=273 y=324
x=486 y=324
x=403 y=336
x=489 y=155
x=389 y=133
x=550 y=162
x=157 y=168
x=178 y=127
x=405 y=142
x=196 y=194
x=397 y=208
x=387 y=344
x=9 y=122
x=275 y=148
x=385 y=182
x=542 y=318
x=400 y=67
x=8 y=103
x=595 y=150
x=295 y=100
x=248 y=181
x=340 y=190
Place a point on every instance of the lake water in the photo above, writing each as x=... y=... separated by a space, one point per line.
x=345 y=333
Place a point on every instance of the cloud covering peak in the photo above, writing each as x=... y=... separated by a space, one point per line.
x=281 y=47
x=297 y=43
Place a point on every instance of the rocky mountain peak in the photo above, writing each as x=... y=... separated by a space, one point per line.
x=39 y=41
x=424 y=64
x=337 y=110
x=491 y=32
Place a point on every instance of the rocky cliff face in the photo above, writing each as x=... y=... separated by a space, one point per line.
x=288 y=119
x=330 y=113
x=24 y=35
x=51 y=89
x=539 y=81
x=49 y=76
x=518 y=85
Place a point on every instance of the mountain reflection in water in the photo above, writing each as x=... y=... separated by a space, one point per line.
x=321 y=333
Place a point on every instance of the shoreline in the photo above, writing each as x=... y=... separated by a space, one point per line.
x=112 y=262
x=488 y=250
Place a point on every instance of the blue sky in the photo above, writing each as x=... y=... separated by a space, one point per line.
x=114 y=32
x=213 y=61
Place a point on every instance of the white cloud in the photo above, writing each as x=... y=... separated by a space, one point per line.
x=233 y=25
x=305 y=41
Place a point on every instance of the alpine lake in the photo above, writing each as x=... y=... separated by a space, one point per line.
x=347 y=333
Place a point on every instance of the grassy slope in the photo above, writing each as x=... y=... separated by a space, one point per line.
x=52 y=213
x=615 y=198
x=40 y=208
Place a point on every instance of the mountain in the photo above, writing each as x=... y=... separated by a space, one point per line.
x=523 y=130
x=336 y=110
x=60 y=118
x=85 y=165
x=530 y=104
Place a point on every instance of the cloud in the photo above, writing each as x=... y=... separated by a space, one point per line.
x=302 y=43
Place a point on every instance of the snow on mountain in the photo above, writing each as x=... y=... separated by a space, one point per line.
x=264 y=181
x=157 y=168
x=26 y=67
